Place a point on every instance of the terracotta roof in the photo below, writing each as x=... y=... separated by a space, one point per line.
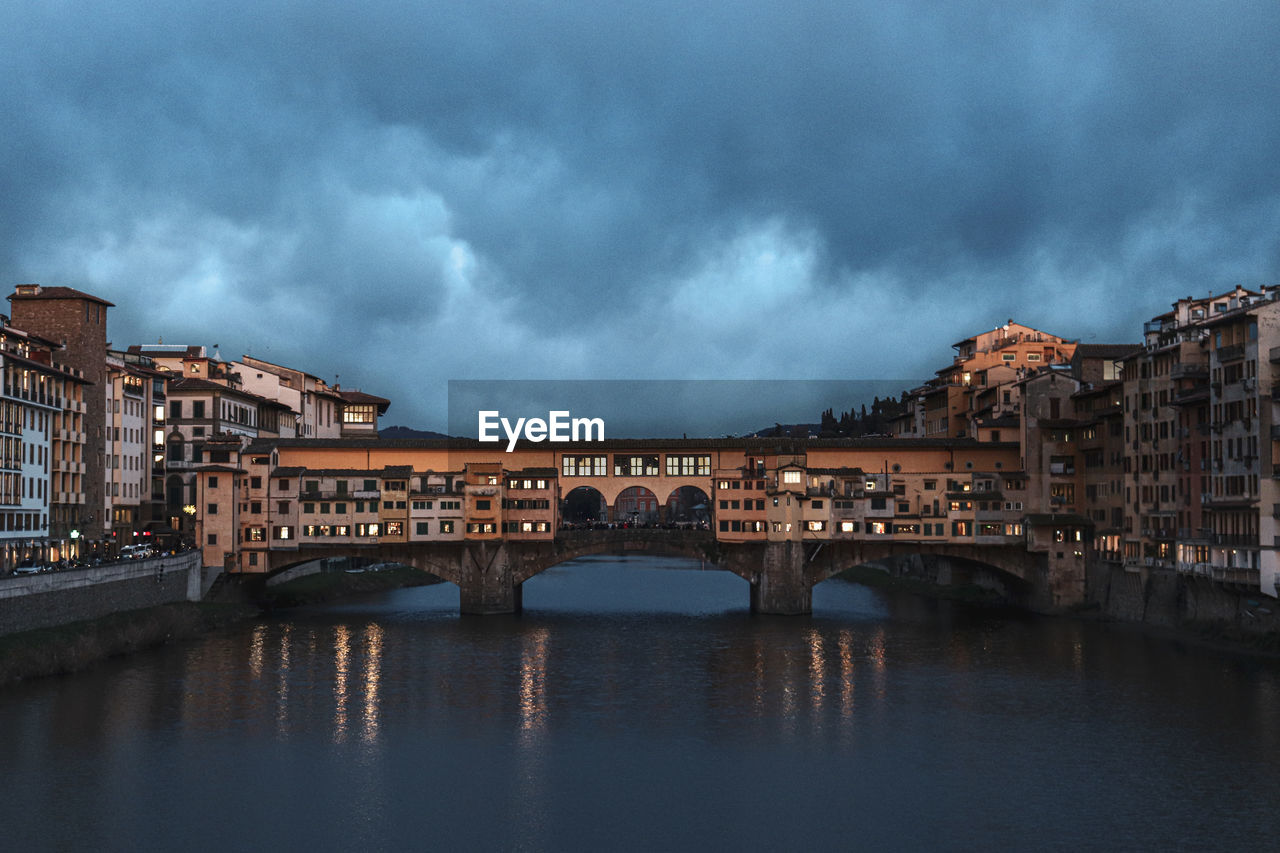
x=359 y=398
x=224 y=468
x=766 y=444
x=1111 y=351
x=194 y=383
x=57 y=293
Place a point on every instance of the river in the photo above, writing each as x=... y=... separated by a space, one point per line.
x=636 y=704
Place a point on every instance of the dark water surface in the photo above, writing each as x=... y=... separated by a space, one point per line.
x=633 y=706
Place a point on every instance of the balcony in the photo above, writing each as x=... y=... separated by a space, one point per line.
x=1236 y=575
x=1183 y=396
x=325 y=496
x=1236 y=540
x=1235 y=352
x=1189 y=370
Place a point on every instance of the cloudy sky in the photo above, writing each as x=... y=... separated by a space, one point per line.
x=401 y=194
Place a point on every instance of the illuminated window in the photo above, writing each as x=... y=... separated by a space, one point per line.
x=358 y=414
x=688 y=466
x=791 y=476
x=584 y=466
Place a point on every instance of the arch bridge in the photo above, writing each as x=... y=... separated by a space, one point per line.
x=782 y=575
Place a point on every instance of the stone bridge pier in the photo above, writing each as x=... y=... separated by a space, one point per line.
x=490 y=574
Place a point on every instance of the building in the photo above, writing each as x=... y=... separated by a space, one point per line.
x=78 y=323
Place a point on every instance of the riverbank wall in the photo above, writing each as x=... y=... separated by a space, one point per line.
x=1171 y=601
x=31 y=602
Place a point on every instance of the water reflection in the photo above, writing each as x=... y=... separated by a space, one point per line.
x=533 y=680
x=282 y=680
x=590 y=711
x=372 y=679
x=341 y=670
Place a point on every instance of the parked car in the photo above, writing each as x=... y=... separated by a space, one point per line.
x=136 y=552
x=30 y=569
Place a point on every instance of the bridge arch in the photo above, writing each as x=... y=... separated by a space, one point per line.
x=583 y=505
x=636 y=505
x=689 y=504
x=1009 y=570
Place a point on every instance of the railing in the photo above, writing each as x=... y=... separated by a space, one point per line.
x=1231 y=353
x=1184 y=369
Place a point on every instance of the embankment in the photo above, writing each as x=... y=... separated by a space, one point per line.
x=76 y=645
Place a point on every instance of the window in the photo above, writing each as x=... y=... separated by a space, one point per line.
x=421 y=528
x=197 y=408
x=175 y=408
x=395 y=528
x=213 y=539
x=482 y=504
x=635 y=466
x=791 y=477
x=584 y=466
x=212 y=509
x=446 y=527
x=358 y=414
x=688 y=466
x=370 y=485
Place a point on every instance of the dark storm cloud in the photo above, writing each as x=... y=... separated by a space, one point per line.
x=407 y=193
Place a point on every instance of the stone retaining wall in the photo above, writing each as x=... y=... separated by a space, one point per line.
x=1166 y=599
x=46 y=600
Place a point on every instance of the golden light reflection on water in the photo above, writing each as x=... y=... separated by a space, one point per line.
x=817 y=670
x=282 y=681
x=256 y=649
x=373 y=636
x=533 y=680
x=341 y=665
x=846 y=674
